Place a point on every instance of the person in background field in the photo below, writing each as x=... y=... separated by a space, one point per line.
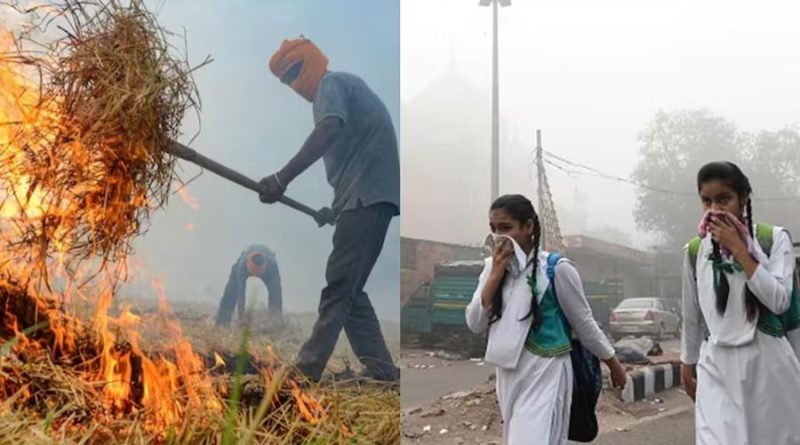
x=738 y=307
x=530 y=327
x=255 y=261
x=354 y=134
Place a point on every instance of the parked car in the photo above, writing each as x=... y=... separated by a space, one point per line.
x=674 y=306
x=653 y=317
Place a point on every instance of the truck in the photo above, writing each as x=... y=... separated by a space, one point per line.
x=603 y=296
x=434 y=313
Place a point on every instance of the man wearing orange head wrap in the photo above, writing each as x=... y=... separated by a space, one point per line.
x=354 y=134
x=308 y=63
x=255 y=261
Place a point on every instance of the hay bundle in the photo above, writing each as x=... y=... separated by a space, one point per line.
x=91 y=148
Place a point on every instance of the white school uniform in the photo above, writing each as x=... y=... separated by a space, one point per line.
x=534 y=393
x=748 y=382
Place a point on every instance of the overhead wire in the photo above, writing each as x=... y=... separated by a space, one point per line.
x=573 y=169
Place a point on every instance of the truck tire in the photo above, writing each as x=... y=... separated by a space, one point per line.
x=427 y=341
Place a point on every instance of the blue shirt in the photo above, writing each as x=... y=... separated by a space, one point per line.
x=363 y=165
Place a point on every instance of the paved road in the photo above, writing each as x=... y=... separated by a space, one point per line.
x=423 y=386
x=676 y=429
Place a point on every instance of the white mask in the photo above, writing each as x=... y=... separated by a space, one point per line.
x=514 y=266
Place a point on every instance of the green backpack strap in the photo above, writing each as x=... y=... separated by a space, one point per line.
x=692 y=250
x=764 y=235
x=778 y=325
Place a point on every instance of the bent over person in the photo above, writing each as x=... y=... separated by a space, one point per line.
x=256 y=261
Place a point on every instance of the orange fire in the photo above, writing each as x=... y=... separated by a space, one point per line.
x=311 y=410
x=188 y=199
x=169 y=384
x=162 y=385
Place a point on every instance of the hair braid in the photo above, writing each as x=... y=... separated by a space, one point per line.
x=521 y=210
x=723 y=287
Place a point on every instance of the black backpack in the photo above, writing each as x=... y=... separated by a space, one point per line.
x=587 y=379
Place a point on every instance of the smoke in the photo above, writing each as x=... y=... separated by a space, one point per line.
x=254 y=124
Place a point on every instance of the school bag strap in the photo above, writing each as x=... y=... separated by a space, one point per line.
x=552 y=260
x=587 y=380
x=764 y=236
x=769 y=323
x=694 y=248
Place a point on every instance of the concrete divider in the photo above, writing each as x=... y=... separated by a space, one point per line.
x=645 y=382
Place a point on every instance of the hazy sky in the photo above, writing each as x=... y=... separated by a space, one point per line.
x=590 y=74
x=253 y=123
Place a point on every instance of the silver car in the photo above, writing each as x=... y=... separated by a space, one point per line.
x=653 y=317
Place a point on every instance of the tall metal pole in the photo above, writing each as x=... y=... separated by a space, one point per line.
x=495 y=112
x=540 y=185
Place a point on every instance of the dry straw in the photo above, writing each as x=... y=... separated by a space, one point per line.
x=84 y=161
x=112 y=95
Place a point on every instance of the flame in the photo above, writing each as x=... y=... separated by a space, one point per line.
x=218 y=361
x=115 y=365
x=164 y=384
x=311 y=410
x=17 y=102
x=168 y=385
x=188 y=199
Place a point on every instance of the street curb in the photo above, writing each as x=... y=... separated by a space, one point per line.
x=645 y=382
x=628 y=427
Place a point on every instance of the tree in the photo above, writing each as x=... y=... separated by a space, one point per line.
x=675 y=145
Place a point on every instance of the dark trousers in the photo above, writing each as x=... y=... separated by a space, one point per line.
x=233 y=297
x=357 y=243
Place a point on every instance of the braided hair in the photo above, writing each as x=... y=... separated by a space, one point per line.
x=730 y=174
x=521 y=210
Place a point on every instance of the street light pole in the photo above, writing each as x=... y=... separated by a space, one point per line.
x=495 y=112
x=495 y=176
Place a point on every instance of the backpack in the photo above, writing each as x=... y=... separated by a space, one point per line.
x=768 y=322
x=587 y=380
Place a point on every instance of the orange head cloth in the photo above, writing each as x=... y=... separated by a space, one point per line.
x=256 y=264
x=315 y=64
